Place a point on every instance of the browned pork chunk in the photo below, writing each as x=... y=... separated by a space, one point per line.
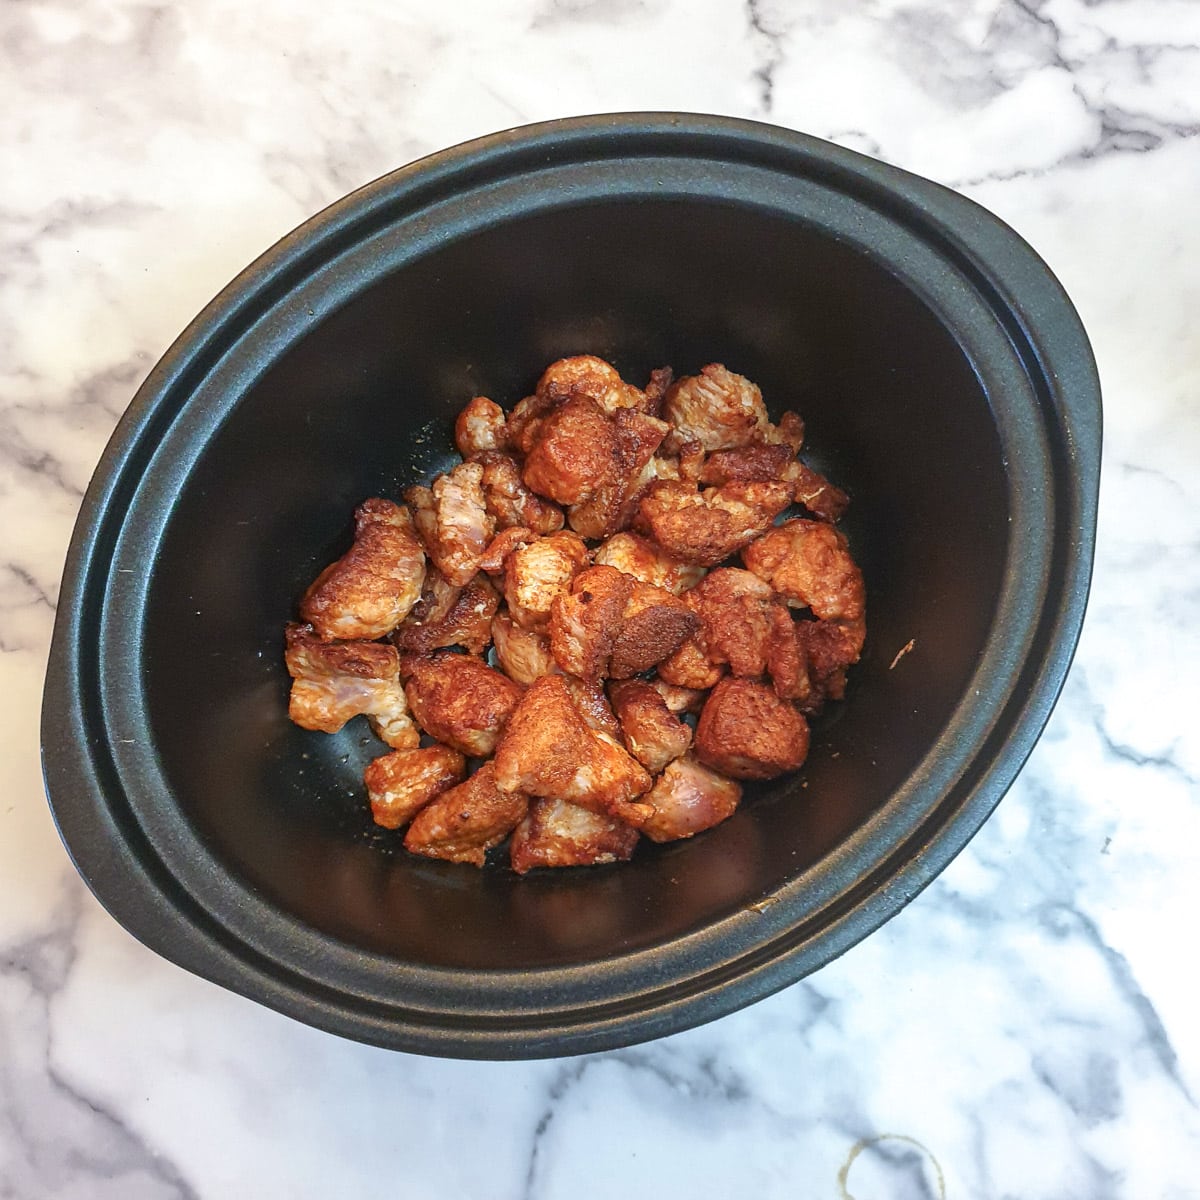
x=689 y=668
x=789 y=431
x=510 y=502
x=612 y=624
x=463 y=824
x=765 y=462
x=809 y=564
x=758 y=462
x=400 y=784
x=461 y=701
x=734 y=608
x=584 y=621
x=449 y=616
x=614 y=504
x=372 y=587
x=653 y=626
x=592 y=703
x=747 y=732
x=575 y=453
x=586 y=375
x=550 y=750
x=707 y=527
x=816 y=493
x=506 y=542
x=453 y=521
x=788 y=659
x=651 y=732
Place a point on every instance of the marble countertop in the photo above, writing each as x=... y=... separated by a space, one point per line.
x=1028 y=1026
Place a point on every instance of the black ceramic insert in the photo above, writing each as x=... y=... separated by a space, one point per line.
x=946 y=383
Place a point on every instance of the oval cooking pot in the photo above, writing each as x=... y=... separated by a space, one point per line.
x=946 y=382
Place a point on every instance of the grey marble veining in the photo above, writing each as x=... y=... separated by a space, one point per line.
x=1027 y=1027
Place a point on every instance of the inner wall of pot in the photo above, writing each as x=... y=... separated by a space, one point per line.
x=363 y=404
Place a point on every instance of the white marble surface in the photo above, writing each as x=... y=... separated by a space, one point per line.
x=1031 y=1020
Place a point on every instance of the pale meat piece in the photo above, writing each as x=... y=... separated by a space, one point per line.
x=456 y=617
x=523 y=654
x=747 y=732
x=789 y=431
x=549 y=750
x=666 y=466
x=653 y=626
x=461 y=701
x=586 y=375
x=463 y=824
x=709 y=526
x=557 y=834
x=650 y=731
x=641 y=558
x=502 y=545
x=524 y=423
x=400 y=784
x=480 y=428
x=716 y=408
x=679 y=699
x=510 y=502
x=537 y=573
x=688 y=798
x=584 y=621
x=690 y=668
x=614 y=505
x=734 y=608
x=453 y=521
x=575 y=453
x=373 y=586
x=334 y=681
